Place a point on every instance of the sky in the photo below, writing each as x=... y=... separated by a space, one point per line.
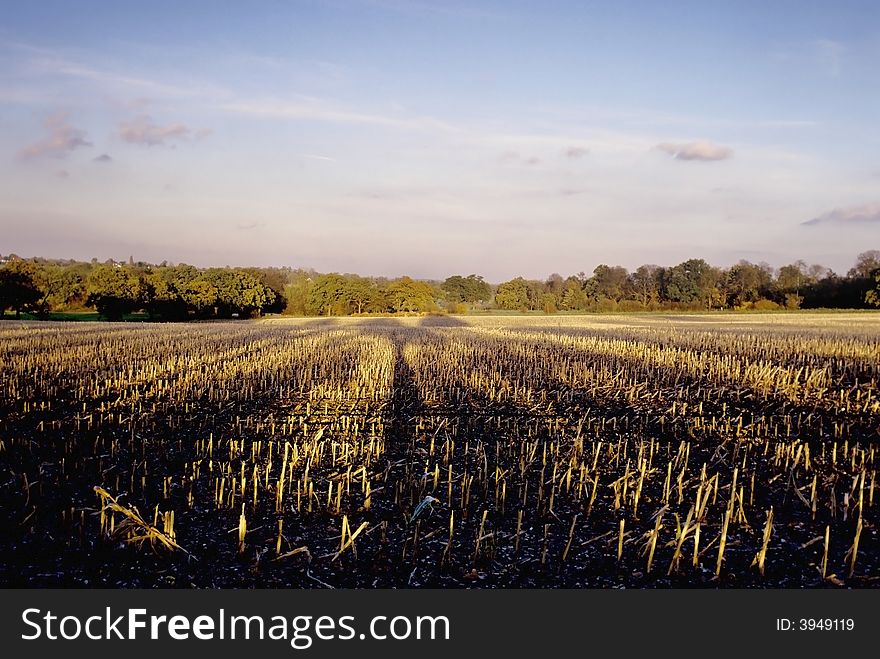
x=427 y=138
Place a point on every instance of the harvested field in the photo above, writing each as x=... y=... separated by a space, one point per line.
x=540 y=451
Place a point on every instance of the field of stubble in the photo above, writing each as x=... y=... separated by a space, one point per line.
x=604 y=451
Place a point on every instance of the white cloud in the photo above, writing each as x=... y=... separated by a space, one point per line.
x=700 y=150
x=851 y=215
x=317 y=110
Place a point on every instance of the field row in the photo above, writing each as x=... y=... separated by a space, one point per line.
x=429 y=452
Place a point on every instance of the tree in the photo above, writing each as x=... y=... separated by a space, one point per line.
x=513 y=295
x=297 y=290
x=274 y=279
x=164 y=295
x=693 y=282
x=327 y=296
x=471 y=289
x=872 y=297
x=555 y=285
x=645 y=283
x=682 y=282
x=18 y=290
x=362 y=294
x=610 y=282
x=115 y=291
x=409 y=295
x=238 y=292
x=747 y=283
x=867 y=263
x=573 y=297
x=200 y=297
x=548 y=302
x=67 y=287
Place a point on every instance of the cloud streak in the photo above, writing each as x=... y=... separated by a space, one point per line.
x=699 y=150
x=849 y=216
x=142 y=130
x=313 y=110
x=62 y=139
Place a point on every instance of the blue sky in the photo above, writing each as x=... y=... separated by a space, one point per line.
x=433 y=138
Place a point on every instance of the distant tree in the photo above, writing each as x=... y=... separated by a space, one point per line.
x=471 y=289
x=296 y=291
x=362 y=294
x=861 y=276
x=18 y=288
x=238 y=292
x=200 y=297
x=274 y=279
x=872 y=297
x=792 y=277
x=747 y=283
x=548 y=303
x=166 y=291
x=409 y=295
x=791 y=281
x=115 y=291
x=68 y=287
x=646 y=282
x=555 y=285
x=327 y=296
x=867 y=263
x=682 y=282
x=573 y=297
x=694 y=283
x=513 y=295
x=610 y=282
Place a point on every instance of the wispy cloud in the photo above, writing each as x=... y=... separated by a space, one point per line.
x=700 y=150
x=62 y=138
x=142 y=130
x=318 y=110
x=250 y=226
x=829 y=55
x=851 y=215
x=315 y=156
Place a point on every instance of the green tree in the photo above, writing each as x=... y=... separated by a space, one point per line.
x=872 y=297
x=200 y=297
x=67 y=287
x=408 y=295
x=362 y=294
x=693 y=283
x=238 y=292
x=513 y=295
x=18 y=289
x=274 y=279
x=610 y=282
x=115 y=291
x=574 y=297
x=471 y=289
x=327 y=296
x=645 y=284
x=548 y=303
x=747 y=283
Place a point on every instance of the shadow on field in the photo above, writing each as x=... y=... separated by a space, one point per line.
x=379 y=322
x=441 y=321
x=321 y=323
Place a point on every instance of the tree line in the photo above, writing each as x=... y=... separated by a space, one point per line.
x=116 y=289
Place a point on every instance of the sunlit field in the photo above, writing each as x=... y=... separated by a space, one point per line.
x=548 y=451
